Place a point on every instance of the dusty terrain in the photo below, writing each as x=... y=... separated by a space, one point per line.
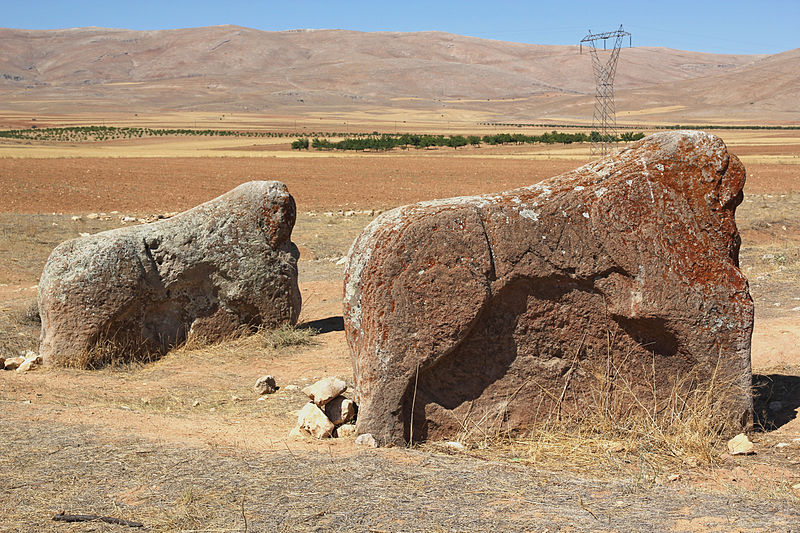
x=183 y=443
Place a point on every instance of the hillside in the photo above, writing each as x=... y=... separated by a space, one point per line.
x=231 y=68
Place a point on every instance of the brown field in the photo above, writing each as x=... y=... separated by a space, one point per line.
x=182 y=444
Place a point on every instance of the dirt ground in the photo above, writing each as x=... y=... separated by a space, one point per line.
x=184 y=444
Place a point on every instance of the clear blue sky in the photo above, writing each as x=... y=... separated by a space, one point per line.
x=735 y=26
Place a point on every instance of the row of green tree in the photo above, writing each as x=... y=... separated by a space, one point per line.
x=406 y=140
x=650 y=126
x=104 y=133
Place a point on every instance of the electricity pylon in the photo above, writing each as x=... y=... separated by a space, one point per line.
x=604 y=120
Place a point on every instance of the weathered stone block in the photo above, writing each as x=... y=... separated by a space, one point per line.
x=204 y=273
x=498 y=309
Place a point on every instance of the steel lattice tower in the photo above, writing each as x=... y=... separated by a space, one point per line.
x=604 y=120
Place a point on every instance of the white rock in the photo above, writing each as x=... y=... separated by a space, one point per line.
x=92 y=216
x=325 y=390
x=342 y=260
x=12 y=363
x=741 y=445
x=312 y=419
x=265 y=385
x=366 y=439
x=782 y=445
x=291 y=387
x=455 y=445
x=29 y=363
x=346 y=431
x=76 y=218
x=340 y=410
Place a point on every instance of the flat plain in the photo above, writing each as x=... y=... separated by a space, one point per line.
x=185 y=444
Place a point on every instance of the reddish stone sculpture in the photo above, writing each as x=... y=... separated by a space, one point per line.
x=494 y=310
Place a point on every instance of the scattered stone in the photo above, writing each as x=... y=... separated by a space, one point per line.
x=92 y=216
x=128 y=219
x=673 y=477
x=84 y=234
x=340 y=410
x=312 y=419
x=12 y=363
x=346 y=431
x=741 y=445
x=469 y=297
x=265 y=385
x=796 y=486
x=455 y=445
x=291 y=387
x=29 y=363
x=203 y=275
x=195 y=403
x=325 y=390
x=366 y=439
x=235 y=398
x=342 y=260
x=76 y=218
x=782 y=445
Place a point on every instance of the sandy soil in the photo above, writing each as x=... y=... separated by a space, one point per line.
x=136 y=441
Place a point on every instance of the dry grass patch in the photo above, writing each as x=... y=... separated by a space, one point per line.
x=19 y=329
x=621 y=429
x=287 y=336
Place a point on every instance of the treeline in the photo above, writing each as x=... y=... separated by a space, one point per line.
x=105 y=133
x=390 y=141
x=647 y=126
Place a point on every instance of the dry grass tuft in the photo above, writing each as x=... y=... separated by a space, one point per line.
x=28 y=315
x=287 y=335
x=108 y=352
x=19 y=330
x=622 y=428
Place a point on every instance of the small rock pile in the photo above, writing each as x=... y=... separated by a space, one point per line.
x=328 y=414
x=22 y=363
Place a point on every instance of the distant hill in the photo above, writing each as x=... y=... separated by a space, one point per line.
x=231 y=68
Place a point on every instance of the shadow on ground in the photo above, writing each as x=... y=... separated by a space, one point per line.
x=776 y=398
x=325 y=325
